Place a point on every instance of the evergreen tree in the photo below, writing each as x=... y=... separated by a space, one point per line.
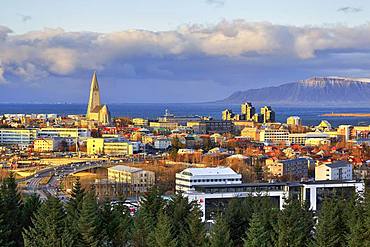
x=10 y=207
x=117 y=222
x=147 y=217
x=220 y=235
x=48 y=225
x=73 y=209
x=163 y=234
x=196 y=237
x=366 y=221
x=356 y=234
x=90 y=224
x=4 y=233
x=268 y=215
x=295 y=224
x=257 y=236
x=330 y=231
x=30 y=207
x=237 y=216
x=179 y=210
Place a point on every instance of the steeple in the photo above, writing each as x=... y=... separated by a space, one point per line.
x=94 y=99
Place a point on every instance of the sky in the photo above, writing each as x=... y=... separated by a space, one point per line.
x=175 y=50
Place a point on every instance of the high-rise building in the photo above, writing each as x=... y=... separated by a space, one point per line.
x=96 y=111
x=268 y=115
x=247 y=111
x=294 y=121
x=228 y=114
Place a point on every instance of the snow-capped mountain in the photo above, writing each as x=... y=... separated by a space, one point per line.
x=332 y=90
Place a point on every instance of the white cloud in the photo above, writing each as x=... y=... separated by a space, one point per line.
x=38 y=54
x=2 y=79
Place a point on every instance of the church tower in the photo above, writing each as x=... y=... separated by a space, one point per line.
x=95 y=110
x=94 y=99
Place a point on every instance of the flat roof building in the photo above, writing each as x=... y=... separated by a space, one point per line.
x=214 y=198
x=191 y=177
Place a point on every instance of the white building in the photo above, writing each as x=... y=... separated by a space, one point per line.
x=190 y=177
x=20 y=137
x=301 y=138
x=214 y=198
x=64 y=132
x=162 y=143
x=339 y=170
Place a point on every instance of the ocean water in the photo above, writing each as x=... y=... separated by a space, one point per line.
x=309 y=115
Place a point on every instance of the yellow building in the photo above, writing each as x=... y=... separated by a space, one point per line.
x=294 y=121
x=46 y=144
x=165 y=125
x=252 y=133
x=111 y=146
x=268 y=115
x=139 y=180
x=140 y=122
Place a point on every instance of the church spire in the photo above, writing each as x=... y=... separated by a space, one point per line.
x=94 y=99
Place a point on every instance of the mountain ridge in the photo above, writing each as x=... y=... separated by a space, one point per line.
x=316 y=91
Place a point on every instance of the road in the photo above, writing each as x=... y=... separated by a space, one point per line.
x=56 y=173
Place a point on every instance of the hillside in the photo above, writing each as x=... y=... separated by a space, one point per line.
x=314 y=91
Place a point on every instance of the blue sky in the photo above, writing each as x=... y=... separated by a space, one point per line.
x=159 y=15
x=175 y=50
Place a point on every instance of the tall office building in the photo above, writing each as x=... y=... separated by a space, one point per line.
x=268 y=115
x=96 y=111
x=247 y=111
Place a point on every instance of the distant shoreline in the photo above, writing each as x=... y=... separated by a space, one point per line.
x=345 y=115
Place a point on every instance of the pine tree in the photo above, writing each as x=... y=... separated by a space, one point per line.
x=257 y=236
x=73 y=209
x=117 y=222
x=4 y=233
x=366 y=216
x=179 y=210
x=220 y=235
x=90 y=224
x=295 y=224
x=196 y=237
x=356 y=233
x=10 y=206
x=330 y=231
x=31 y=204
x=163 y=233
x=147 y=217
x=237 y=216
x=48 y=225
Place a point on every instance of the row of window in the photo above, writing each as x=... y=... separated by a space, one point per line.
x=209 y=180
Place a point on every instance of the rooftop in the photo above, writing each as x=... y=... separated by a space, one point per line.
x=125 y=168
x=338 y=164
x=209 y=171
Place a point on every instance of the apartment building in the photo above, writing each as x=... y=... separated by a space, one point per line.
x=138 y=179
x=339 y=170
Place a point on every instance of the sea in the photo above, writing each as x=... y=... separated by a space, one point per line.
x=310 y=115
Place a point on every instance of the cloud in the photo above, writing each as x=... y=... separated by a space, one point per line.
x=25 y=18
x=233 y=53
x=2 y=79
x=217 y=3
x=349 y=9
